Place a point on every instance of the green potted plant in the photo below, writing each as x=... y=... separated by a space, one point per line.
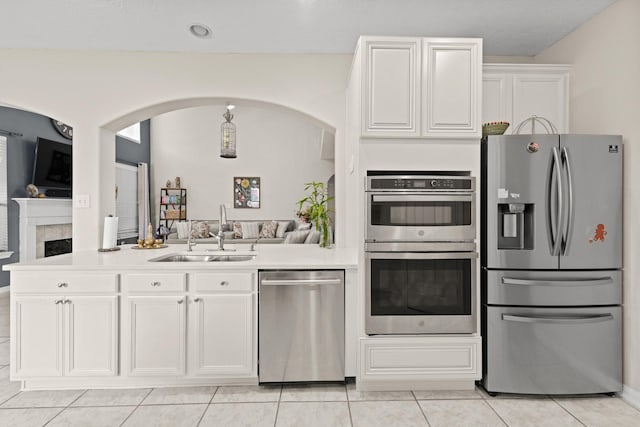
x=313 y=207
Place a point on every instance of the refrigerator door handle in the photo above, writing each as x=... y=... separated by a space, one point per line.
x=568 y=232
x=564 y=320
x=575 y=282
x=554 y=219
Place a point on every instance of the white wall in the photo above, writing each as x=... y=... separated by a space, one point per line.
x=605 y=99
x=279 y=146
x=99 y=92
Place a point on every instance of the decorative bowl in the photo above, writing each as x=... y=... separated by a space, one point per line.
x=494 y=128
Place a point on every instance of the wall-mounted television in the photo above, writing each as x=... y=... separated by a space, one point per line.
x=52 y=168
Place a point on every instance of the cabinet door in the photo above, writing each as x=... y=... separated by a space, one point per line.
x=224 y=335
x=391 y=87
x=496 y=99
x=543 y=95
x=155 y=340
x=92 y=335
x=452 y=80
x=36 y=337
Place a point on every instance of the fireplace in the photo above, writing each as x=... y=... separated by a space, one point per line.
x=43 y=220
x=57 y=247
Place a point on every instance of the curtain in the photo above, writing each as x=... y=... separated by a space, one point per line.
x=144 y=213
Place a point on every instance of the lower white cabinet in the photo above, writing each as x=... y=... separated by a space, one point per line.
x=389 y=363
x=223 y=335
x=155 y=335
x=56 y=335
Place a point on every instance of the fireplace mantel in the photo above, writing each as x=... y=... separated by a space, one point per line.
x=39 y=211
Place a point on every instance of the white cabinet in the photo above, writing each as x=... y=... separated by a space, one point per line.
x=429 y=362
x=414 y=87
x=62 y=334
x=392 y=87
x=452 y=70
x=515 y=92
x=154 y=324
x=155 y=335
x=223 y=325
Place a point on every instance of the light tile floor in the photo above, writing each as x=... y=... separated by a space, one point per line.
x=289 y=405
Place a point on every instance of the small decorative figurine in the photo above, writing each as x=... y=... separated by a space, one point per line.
x=32 y=190
x=168 y=184
x=177 y=182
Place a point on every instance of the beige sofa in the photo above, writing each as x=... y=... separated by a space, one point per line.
x=289 y=234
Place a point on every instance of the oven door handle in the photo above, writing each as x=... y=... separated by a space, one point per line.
x=564 y=320
x=376 y=198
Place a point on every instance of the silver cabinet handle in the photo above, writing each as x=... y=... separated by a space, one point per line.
x=67 y=301
x=558 y=319
x=552 y=282
x=59 y=301
x=196 y=300
x=180 y=301
x=271 y=282
x=224 y=283
x=155 y=284
x=62 y=285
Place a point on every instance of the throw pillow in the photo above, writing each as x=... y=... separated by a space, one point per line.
x=237 y=230
x=269 y=229
x=303 y=226
x=313 y=237
x=183 y=229
x=249 y=230
x=199 y=229
x=282 y=228
x=296 y=236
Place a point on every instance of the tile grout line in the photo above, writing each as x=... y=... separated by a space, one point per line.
x=567 y=411
x=66 y=407
x=137 y=406
x=348 y=404
x=420 y=408
x=275 y=421
x=207 y=407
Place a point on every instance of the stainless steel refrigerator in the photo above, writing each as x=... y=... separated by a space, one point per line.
x=551 y=279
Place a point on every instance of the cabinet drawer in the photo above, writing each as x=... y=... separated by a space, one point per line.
x=223 y=282
x=441 y=358
x=62 y=282
x=154 y=282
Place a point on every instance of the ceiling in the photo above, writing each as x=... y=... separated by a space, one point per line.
x=508 y=27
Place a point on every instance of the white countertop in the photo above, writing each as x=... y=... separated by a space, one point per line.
x=272 y=256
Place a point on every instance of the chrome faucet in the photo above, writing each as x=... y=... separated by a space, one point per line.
x=190 y=244
x=220 y=237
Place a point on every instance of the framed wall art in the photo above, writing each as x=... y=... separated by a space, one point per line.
x=246 y=192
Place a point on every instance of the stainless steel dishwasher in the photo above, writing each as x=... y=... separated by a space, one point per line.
x=301 y=325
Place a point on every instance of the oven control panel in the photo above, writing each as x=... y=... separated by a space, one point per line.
x=414 y=183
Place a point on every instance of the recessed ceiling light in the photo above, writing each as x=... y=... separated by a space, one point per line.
x=200 y=30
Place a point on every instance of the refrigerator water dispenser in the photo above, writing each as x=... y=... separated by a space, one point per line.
x=515 y=226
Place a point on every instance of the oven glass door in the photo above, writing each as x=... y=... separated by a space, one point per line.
x=430 y=217
x=433 y=290
x=421 y=210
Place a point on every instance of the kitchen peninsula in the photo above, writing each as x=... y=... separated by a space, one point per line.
x=116 y=319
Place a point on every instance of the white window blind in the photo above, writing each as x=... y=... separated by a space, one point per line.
x=4 y=228
x=127 y=200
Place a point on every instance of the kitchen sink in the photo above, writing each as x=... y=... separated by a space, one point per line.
x=185 y=257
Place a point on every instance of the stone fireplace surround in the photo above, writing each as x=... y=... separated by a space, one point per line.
x=42 y=220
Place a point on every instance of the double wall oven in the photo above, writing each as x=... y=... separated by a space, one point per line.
x=420 y=253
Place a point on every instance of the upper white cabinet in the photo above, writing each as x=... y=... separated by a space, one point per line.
x=420 y=87
x=392 y=87
x=452 y=70
x=515 y=92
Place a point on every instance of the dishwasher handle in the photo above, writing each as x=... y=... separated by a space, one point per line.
x=298 y=282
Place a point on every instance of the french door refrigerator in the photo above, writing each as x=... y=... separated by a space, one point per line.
x=551 y=278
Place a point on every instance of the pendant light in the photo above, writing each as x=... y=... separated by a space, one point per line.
x=228 y=135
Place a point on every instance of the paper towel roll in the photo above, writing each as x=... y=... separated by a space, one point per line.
x=110 y=235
